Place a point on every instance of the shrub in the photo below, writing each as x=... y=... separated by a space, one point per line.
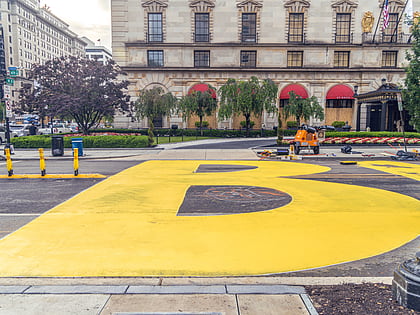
x=251 y=124
x=338 y=124
x=88 y=142
x=205 y=124
x=292 y=124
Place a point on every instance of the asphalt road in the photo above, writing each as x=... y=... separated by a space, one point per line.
x=25 y=199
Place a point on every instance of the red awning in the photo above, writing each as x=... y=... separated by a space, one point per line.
x=202 y=87
x=340 y=92
x=298 y=89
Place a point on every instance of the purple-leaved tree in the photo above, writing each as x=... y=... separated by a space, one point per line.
x=76 y=88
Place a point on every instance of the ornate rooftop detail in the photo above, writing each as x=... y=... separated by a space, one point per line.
x=154 y=5
x=202 y=5
x=297 y=5
x=249 y=6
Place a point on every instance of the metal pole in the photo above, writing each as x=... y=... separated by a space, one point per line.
x=400 y=108
x=377 y=24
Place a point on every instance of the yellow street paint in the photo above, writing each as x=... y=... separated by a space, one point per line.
x=409 y=170
x=58 y=176
x=127 y=225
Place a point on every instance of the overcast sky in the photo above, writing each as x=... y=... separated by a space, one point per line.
x=90 y=18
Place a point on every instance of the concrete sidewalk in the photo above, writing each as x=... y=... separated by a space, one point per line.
x=205 y=296
x=183 y=151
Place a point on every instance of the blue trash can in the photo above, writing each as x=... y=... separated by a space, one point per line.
x=77 y=143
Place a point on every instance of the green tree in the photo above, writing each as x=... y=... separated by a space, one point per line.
x=303 y=108
x=247 y=98
x=82 y=89
x=411 y=92
x=154 y=103
x=198 y=103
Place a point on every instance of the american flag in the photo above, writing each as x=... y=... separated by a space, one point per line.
x=386 y=15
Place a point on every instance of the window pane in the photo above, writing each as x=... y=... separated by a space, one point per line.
x=202 y=27
x=155 y=27
x=296 y=27
x=249 y=27
x=201 y=58
x=341 y=59
x=295 y=59
x=389 y=59
x=155 y=58
x=343 y=28
x=248 y=59
x=340 y=103
x=391 y=32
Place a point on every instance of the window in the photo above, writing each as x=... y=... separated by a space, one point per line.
x=390 y=34
x=389 y=59
x=295 y=59
x=202 y=33
x=340 y=103
x=155 y=58
x=248 y=59
x=342 y=34
x=201 y=58
x=341 y=59
x=296 y=27
x=249 y=27
x=155 y=27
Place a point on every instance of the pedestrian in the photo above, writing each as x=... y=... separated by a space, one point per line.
x=32 y=129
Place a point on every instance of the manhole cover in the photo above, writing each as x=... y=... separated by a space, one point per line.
x=218 y=200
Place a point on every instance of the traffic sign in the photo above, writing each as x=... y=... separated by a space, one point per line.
x=14 y=73
x=8 y=108
x=10 y=81
x=7 y=91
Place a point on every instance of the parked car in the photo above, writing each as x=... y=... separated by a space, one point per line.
x=57 y=128
x=20 y=130
x=3 y=134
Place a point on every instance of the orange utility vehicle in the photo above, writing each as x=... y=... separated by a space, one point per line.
x=307 y=138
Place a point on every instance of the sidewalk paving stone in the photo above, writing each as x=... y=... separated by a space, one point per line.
x=77 y=289
x=177 y=289
x=264 y=289
x=13 y=289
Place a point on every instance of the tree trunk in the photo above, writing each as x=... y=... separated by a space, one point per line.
x=150 y=133
x=248 y=123
x=298 y=121
x=201 y=126
x=280 y=131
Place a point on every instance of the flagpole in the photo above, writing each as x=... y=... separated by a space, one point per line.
x=377 y=24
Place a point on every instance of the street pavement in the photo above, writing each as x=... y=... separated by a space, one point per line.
x=281 y=294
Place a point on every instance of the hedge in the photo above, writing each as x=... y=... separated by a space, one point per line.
x=135 y=141
x=44 y=141
x=372 y=134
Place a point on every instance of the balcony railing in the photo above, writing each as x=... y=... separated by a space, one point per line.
x=385 y=38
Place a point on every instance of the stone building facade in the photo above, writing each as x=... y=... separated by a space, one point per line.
x=319 y=48
x=33 y=35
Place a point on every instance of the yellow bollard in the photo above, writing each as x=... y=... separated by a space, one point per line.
x=9 y=163
x=42 y=161
x=76 y=161
x=291 y=149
